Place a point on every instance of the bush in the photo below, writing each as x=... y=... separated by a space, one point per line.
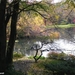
x=42 y=57
x=17 y=55
x=52 y=55
x=61 y=56
x=72 y=57
x=31 y=57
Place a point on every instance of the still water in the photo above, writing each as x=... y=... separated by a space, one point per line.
x=66 y=44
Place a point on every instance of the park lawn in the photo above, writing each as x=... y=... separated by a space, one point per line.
x=61 y=26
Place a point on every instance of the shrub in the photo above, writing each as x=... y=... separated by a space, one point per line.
x=42 y=57
x=30 y=57
x=17 y=55
x=72 y=57
x=55 y=55
x=61 y=56
x=52 y=55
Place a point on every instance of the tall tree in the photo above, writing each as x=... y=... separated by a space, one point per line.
x=7 y=11
x=12 y=37
x=10 y=11
x=2 y=35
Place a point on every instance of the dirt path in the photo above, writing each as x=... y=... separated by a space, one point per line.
x=23 y=65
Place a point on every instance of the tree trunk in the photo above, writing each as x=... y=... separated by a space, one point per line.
x=2 y=35
x=12 y=38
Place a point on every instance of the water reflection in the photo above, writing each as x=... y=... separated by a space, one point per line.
x=65 y=44
x=60 y=45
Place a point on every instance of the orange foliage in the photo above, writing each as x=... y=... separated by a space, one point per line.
x=54 y=35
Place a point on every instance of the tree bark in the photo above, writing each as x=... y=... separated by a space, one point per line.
x=2 y=36
x=12 y=38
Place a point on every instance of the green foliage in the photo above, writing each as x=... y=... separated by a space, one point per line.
x=53 y=55
x=61 y=26
x=72 y=57
x=53 y=67
x=63 y=22
x=31 y=57
x=60 y=67
x=71 y=3
x=42 y=57
x=17 y=55
x=61 y=56
x=44 y=6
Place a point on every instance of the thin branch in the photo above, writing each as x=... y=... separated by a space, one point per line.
x=39 y=13
x=24 y=9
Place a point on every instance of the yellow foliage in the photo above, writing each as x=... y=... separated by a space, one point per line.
x=18 y=27
x=38 y=20
x=57 y=17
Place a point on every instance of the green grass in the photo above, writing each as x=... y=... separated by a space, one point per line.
x=17 y=55
x=61 y=26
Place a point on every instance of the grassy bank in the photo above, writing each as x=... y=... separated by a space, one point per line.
x=46 y=66
x=61 y=26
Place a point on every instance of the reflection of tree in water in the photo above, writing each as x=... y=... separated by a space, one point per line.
x=66 y=33
x=24 y=46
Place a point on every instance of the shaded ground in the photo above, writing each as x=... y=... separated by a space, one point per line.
x=23 y=64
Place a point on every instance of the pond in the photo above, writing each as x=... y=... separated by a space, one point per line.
x=66 y=44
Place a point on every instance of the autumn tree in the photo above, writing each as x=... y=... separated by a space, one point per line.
x=29 y=24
